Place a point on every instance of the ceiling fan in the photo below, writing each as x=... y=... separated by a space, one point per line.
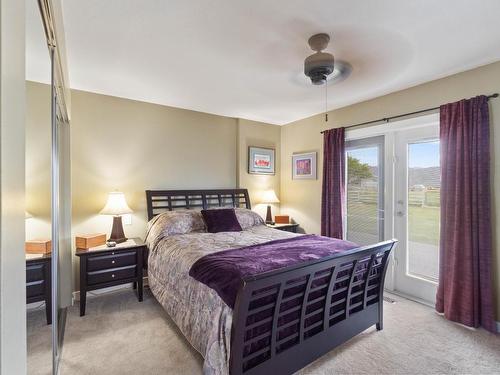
x=321 y=66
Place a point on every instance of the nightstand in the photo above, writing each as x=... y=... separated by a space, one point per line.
x=284 y=227
x=103 y=267
x=38 y=281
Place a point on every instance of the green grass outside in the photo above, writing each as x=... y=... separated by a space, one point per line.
x=423 y=221
x=432 y=198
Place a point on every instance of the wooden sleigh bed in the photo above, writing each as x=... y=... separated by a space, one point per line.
x=285 y=319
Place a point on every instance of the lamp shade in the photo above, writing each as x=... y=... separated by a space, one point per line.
x=116 y=204
x=269 y=196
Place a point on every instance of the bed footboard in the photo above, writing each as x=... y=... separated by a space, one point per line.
x=285 y=319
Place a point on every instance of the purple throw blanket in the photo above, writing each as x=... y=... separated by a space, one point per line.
x=224 y=270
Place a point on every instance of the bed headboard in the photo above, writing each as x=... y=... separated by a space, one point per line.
x=168 y=200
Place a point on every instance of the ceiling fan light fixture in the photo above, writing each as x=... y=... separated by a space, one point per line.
x=319 y=65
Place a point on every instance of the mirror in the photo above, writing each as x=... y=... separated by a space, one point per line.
x=38 y=194
x=48 y=265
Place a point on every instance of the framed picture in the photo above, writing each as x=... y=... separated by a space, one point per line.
x=260 y=160
x=304 y=166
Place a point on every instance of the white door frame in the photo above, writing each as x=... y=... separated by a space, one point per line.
x=388 y=130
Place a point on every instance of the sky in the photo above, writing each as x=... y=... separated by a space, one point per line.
x=421 y=155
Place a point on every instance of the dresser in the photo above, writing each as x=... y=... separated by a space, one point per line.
x=38 y=282
x=103 y=267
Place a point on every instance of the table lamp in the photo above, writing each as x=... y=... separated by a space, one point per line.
x=116 y=206
x=269 y=196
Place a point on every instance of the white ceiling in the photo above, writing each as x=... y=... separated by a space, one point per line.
x=244 y=58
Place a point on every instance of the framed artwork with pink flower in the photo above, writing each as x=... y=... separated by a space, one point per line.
x=304 y=166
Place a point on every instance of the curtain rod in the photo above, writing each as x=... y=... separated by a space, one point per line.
x=387 y=119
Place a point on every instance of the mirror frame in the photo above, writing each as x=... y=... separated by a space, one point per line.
x=51 y=14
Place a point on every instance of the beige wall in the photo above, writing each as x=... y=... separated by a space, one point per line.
x=251 y=133
x=133 y=146
x=301 y=199
x=12 y=130
x=38 y=164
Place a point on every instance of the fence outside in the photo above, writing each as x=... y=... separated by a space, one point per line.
x=424 y=198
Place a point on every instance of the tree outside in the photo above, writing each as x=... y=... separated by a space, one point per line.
x=357 y=171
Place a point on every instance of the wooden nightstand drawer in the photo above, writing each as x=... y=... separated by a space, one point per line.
x=111 y=275
x=35 y=289
x=35 y=272
x=120 y=259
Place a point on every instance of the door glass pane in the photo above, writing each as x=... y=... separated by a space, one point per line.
x=364 y=198
x=424 y=185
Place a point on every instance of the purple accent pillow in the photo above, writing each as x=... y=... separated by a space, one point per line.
x=221 y=220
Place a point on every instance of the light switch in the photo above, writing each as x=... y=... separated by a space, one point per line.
x=127 y=219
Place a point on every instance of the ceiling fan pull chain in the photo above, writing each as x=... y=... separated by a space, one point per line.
x=326 y=101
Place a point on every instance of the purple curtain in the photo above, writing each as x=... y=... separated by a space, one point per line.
x=333 y=192
x=465 y=292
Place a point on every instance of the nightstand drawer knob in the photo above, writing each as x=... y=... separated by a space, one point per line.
x=112 y=253
x=112 y=262
x=113 y=275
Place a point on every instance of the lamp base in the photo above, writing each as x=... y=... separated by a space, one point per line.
x=117 y=234
x=269 y=216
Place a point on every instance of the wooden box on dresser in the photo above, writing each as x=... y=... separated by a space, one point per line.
x=103 y=267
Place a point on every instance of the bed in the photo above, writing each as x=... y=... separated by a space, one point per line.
x=282 y=319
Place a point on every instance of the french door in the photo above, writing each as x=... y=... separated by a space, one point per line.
x=393 y=191
x=417 y=212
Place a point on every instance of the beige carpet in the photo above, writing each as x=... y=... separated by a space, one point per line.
x=122 y=336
